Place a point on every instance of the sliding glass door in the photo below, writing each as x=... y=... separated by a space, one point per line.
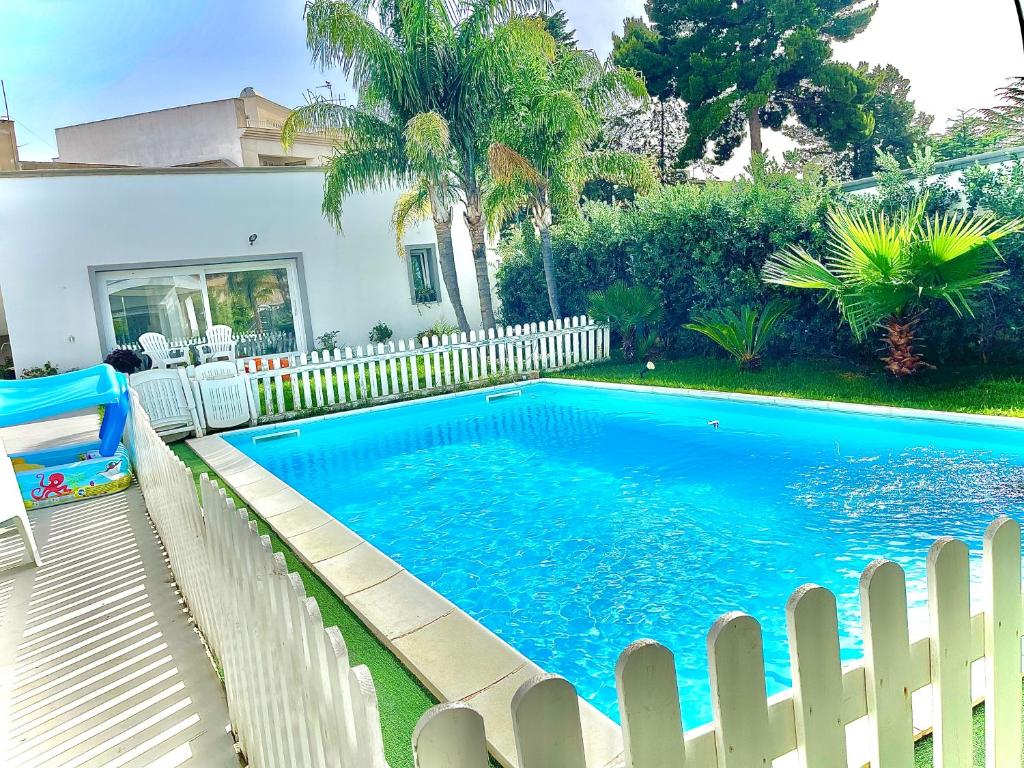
x=260 y=297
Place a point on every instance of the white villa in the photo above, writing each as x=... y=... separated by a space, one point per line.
x=93 y=258
x=239 y=132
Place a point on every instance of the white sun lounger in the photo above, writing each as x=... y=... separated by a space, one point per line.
x=12 y=508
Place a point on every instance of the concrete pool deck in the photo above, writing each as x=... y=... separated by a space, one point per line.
x=453 y=655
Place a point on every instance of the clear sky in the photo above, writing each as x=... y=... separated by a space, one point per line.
x=72 y=61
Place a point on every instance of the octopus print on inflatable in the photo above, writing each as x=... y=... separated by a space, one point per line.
x=78 y=471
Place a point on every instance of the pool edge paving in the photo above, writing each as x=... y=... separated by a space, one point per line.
x=454 y=656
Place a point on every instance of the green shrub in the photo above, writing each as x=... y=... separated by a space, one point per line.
x=440 y=328
x=744 y=334
x=381 y=333
x=702 y=246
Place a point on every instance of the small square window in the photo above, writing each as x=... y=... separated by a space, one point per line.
x=423 y=274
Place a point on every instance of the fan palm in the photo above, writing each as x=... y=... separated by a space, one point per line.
x=880 y=270
x=633 y=312
x=427 y=74
x=743 y=334
x=541 y=157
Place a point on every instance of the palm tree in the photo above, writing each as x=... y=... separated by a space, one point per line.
x=541 y=157
x=880 y=270
x=428 y=76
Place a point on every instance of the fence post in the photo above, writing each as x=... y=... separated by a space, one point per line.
x=1002 y=563
x=738 y=698
x=546 y=722
x=949 y=610
x=652 y=729
x=812 y=627
x=450 y=736
x=883 y=595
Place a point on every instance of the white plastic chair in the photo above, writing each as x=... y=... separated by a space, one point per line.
x=219 y=345
x=167 y=399
x=161 y=353
x=12 y=507
x=223 y=394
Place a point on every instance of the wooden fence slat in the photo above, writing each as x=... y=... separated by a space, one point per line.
x=546 y=722
x=450 y=736
x=283 y=672
x=652 y=730
x=402 y=350
x=1002 y=563
x=949 y=610
x=813 y=631
x=883 y=596
x=738 y=698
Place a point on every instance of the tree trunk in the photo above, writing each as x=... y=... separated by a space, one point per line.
x=900 y=359
x=446 y=256
x=754 y=119
x=475 y=222
x=544 y=230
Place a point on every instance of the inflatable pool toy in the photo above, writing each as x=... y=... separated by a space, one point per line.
x=76 y=471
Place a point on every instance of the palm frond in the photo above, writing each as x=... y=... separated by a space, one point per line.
x=508 y=165
x=428 y=142
x=624 y=168
x=334 y=120
x=412 y=207
x=501 y=201
x=338 y=34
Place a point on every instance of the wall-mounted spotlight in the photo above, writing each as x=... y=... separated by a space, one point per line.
x=252 y=238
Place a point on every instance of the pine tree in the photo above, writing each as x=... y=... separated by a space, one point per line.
x=745 y=65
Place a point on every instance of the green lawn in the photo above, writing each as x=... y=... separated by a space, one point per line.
x=401 y=697
x=970 y=389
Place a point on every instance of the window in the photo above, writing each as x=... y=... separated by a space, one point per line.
x=183 y=302
x=167 y=304
x=423 y=274
x=282 y=161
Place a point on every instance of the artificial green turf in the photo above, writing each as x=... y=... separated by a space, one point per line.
x=924 y=753
x=401 y=698
x=994 y=390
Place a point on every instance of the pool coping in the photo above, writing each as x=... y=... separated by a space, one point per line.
x=452 y=654
x=428 y=633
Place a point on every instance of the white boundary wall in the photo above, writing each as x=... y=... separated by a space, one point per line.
x=293 y=698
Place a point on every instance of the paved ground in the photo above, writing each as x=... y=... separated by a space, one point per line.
x=99 y=665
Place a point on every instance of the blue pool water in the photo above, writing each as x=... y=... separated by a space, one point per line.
x=573 y=520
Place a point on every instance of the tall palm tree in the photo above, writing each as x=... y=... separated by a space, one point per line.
x=880 y=270
x=427 y=74
x=541 y=157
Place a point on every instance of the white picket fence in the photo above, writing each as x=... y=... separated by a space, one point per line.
x=292 y=384
x=293 y=698
x=815 y=723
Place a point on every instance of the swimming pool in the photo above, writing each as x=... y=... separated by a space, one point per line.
x=571 y=520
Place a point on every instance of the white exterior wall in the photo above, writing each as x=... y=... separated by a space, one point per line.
x=53 y=227
x=189 y=134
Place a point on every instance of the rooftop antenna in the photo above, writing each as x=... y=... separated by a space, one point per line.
x=329 y=88
x=7 y=112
